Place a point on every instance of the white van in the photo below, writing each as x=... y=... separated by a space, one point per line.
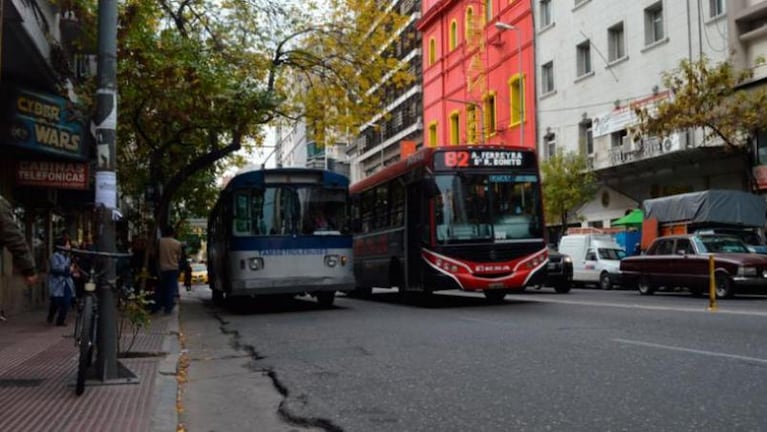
x=596 y=258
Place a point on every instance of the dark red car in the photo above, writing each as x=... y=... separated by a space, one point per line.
x=683 y=261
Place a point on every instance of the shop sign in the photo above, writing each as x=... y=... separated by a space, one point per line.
x=60 y=175
x=46 y=123
x=625 y=116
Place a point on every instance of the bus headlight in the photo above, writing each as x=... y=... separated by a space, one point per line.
x=331 y=260
x=256 y=263
x=344 y=260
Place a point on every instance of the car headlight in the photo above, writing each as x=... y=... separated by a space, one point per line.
x=747 y=271
x=567 y=258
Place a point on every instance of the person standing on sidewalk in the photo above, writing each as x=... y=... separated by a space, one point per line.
x=169 y=256
x=12 y=238
x=61 y=287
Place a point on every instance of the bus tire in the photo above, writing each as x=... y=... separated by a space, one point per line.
x=217 y=296
x=495 y=297
x=326 y=298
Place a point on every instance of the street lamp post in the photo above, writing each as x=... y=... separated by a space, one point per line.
x=502 y=27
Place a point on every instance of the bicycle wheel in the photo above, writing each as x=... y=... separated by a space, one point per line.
x=86 y=343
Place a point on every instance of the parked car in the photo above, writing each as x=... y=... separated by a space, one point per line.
x=595 y=259
x=683 y=261
x=559 y=271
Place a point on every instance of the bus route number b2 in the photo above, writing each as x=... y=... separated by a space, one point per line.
x=456 y=159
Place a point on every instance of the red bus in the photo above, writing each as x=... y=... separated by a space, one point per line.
x=458 y=217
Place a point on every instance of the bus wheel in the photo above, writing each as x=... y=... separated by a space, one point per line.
x=326 y=298
x=218 y=297
x=495 y=296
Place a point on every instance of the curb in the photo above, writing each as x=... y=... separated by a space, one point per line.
x=165 y=415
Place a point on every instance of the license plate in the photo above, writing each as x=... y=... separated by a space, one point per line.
x=551 y=266
x=495 y=285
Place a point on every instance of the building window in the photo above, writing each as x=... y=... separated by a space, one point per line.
x=433 y=134
x=583 y=58
x=432 y=51
x=615 y=42
x=617 y=138
x=653 y=23
x=517 y=99
x=488 y=10
x=471 y=124
x=586 y=137
x=455 y=130
x=453 y=35
x=550 y=144
x=547 y=78
x=545 y=12
x=489 y=112
x=469 y=23
x=715 y=8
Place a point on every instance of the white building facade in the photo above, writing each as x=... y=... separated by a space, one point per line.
x=595 y=60
x=400 y=119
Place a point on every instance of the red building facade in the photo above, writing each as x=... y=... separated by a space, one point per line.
x=478 y=72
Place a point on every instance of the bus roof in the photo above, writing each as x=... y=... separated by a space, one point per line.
x=256 y=176
x=421 y=158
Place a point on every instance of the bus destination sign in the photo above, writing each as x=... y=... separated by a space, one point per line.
x=456 y=159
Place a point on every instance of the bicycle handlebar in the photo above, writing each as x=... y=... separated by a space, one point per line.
x=96 y=253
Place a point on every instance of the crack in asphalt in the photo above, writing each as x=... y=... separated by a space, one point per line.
x=283 y=410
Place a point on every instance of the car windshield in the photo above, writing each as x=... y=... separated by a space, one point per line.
x=486 y=207
x=718 y=244
x=611 y=254
x=199 y=268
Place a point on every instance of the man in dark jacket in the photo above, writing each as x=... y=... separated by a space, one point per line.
x=12 y=238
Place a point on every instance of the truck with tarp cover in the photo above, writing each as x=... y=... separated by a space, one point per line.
x=723 y=211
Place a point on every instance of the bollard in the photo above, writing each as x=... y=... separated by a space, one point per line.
x=711 y=284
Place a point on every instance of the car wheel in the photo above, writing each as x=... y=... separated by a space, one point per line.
x=644 y=286
x=724 y=287
x=604 y=281
x=562 y=287
x=495 y=296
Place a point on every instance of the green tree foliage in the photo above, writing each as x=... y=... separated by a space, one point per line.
x=199 y=80
x=568 y=183
x=708 y=96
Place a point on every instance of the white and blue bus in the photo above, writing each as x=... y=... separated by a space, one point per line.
x=281 y=231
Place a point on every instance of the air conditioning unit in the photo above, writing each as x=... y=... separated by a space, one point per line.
x=674 y=142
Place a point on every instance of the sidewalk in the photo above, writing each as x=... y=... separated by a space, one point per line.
x=38 y=365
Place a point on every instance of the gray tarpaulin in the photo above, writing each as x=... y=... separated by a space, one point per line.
x=711 y=206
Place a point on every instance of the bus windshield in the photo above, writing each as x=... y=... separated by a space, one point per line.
x=487 y=207
x=290 y=210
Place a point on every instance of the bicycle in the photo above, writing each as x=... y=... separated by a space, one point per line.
x=85 y=331
x=86 y=325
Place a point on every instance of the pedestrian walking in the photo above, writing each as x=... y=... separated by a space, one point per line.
x=61 y=286
x=186 y=266
x=168 y=256
x=12 y=238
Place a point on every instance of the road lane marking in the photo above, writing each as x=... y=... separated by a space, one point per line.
x=641 y=306
x=692 y=351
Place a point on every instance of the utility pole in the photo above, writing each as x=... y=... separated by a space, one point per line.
x=105 y=126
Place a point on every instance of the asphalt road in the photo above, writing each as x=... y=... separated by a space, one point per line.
x=585 y=361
